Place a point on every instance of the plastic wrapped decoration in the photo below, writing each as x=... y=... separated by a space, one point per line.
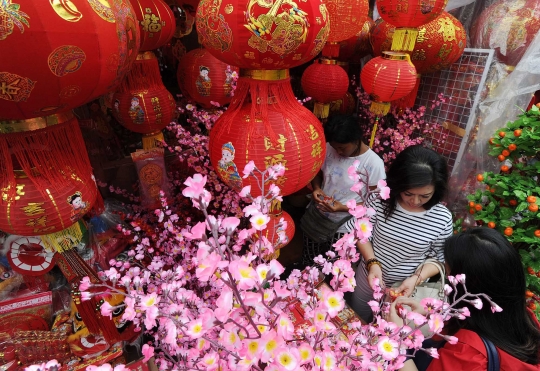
x=58 y=55
x=508 y=27
x=324 y=81
x=153 y=178
x=347 y=18
x=45 y=175
x=156 y=22
x=205 y=79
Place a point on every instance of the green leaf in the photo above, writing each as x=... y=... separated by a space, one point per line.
x=520 y=194
x=506 y=223
x=502 y=185
x=522 y=206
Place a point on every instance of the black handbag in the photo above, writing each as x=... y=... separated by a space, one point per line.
x=317 y=226
x=422 y=359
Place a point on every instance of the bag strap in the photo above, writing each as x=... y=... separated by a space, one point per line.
x=492 y=355
x=439 y=266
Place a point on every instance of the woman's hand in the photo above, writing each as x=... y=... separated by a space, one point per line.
x=415 y=306
x=332 y=206
x=318 y=196
x=375 y=271
x=407 y=286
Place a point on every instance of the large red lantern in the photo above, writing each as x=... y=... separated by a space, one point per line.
x=205 y=79
x=508 y=27
x=439 y=43
x=324 y=81
x=262 y=35
x=407 y=15
x=156 y=22
x=347 y=18
x=45 y=175
x=142 y=103
x=285 y=133
x=58 y=55
x=389 y=77
x=355 y=48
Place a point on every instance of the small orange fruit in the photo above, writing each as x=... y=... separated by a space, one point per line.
x=533 y=208
x=530 y=270
x=532 y=306
x=504 y=168
x=512 y=147
x=471 y=204
x=529 y=293
x=471 y=211
x=501 y=158
x=478 y=207
x=517 y=132
x=531 y=199
x=502 y=134
x=480 y=177
x=512 y=202
x=505 y=152
x=508 y=231
x=537 y=233
x=490 y=140
x=491 y=225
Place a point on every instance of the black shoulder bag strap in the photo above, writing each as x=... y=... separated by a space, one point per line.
x=492 y=355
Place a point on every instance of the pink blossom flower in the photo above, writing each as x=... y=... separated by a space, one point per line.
x=306 y=353
x=224 y=305
x=243 y=273
x=432 y=352
x=460 y=278
x=384 y=191
x=333 y=301
x=259 y=221
x=148 y=352
x=286 y=358
x=284 y=327
x=230 y=224
x=495 y=308
x=328 y=361
x=248 y=169
x=417 y=318
x=363 y=229
x=435 y=323
x=210 y=361
x=388 y=348
x=195 y=329
x=195 y=186
x=85 y=284
x=245 y=191
x=207 y=266
x=106 y=309
x=477 y=303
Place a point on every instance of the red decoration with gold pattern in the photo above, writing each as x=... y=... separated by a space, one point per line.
x=344 y=105
x=357 y=47
x=285 y=132
x=156 y=22
x=263 y=35
x=58 y=55
x=325 y=82
x=142 y=103
x=274 y=231
x=407 y=15
x=439 y=43
x=45 y=176
x=347 y=18
x=509 y=27
x=389 y=77
x=205 y=79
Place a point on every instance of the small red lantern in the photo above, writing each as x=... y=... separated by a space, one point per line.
x=508 y=27
x=46 y=177
x=156 y=22
x=259 y=35
x=205 y=79
x=289 y=134
x=358 y=46
x=407 y=16
x=389 y=77
x=142 y=103
x=58 y=56
x=346 y=20
x=344 y=105
x=274 y=229
x=325 y=82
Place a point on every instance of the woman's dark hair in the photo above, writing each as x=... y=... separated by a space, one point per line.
x=415 y=167
x=493 y=266
x=343 y=129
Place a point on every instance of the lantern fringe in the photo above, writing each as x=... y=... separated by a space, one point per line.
x=408 y=100
x=143 y=75
x=404 y=39
x=264 y=94
x=380 y=108
x=152 y=140
x=49 y=157
x=321 y=110
x=64 y=240
x=373 y=132
x=330 y=50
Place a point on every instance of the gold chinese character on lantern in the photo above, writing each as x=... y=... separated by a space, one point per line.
x=402 y=6
x=274 y=160
x=418 y=55
x=421 y=35
x=280 y=143
x=316 y=149
x=445 y=50
x=151 y=23
x=19 y=192
x=33 y=209
x=37 y=222
x=312 y=132
x=316 y=166
x=447 y=28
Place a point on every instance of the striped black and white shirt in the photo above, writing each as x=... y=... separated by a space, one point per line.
x=404 y=240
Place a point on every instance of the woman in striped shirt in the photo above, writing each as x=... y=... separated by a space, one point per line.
x=407 y=228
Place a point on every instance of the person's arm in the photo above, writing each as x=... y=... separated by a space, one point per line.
x=374 y=269
x=422 y=273
x=409 y=366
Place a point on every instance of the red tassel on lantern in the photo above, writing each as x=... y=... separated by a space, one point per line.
x=205 y=79
x=142 y=103
x=325 y=82
x=45 y=175
x=388 y=78
x=55 y=59
x=156 y=22
x=407 y=16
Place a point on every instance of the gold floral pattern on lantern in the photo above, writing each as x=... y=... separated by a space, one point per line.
x=103 y=9
x=66 y=59
x=15 y=88
x=11 y=15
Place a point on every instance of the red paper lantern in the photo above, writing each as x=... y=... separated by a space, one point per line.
x=274 y=229
x=156 y=22
x=142 y=103
x=347 y=18
x=439 y=43
x=263 y=35
x=344 y=105
x=508 y=27
x=324 y=81
x=389 y=77
x=57 y=55
x=358 y=46
x=205 y=79
x=289 y=134
x=45 y=175
x=407 y=16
